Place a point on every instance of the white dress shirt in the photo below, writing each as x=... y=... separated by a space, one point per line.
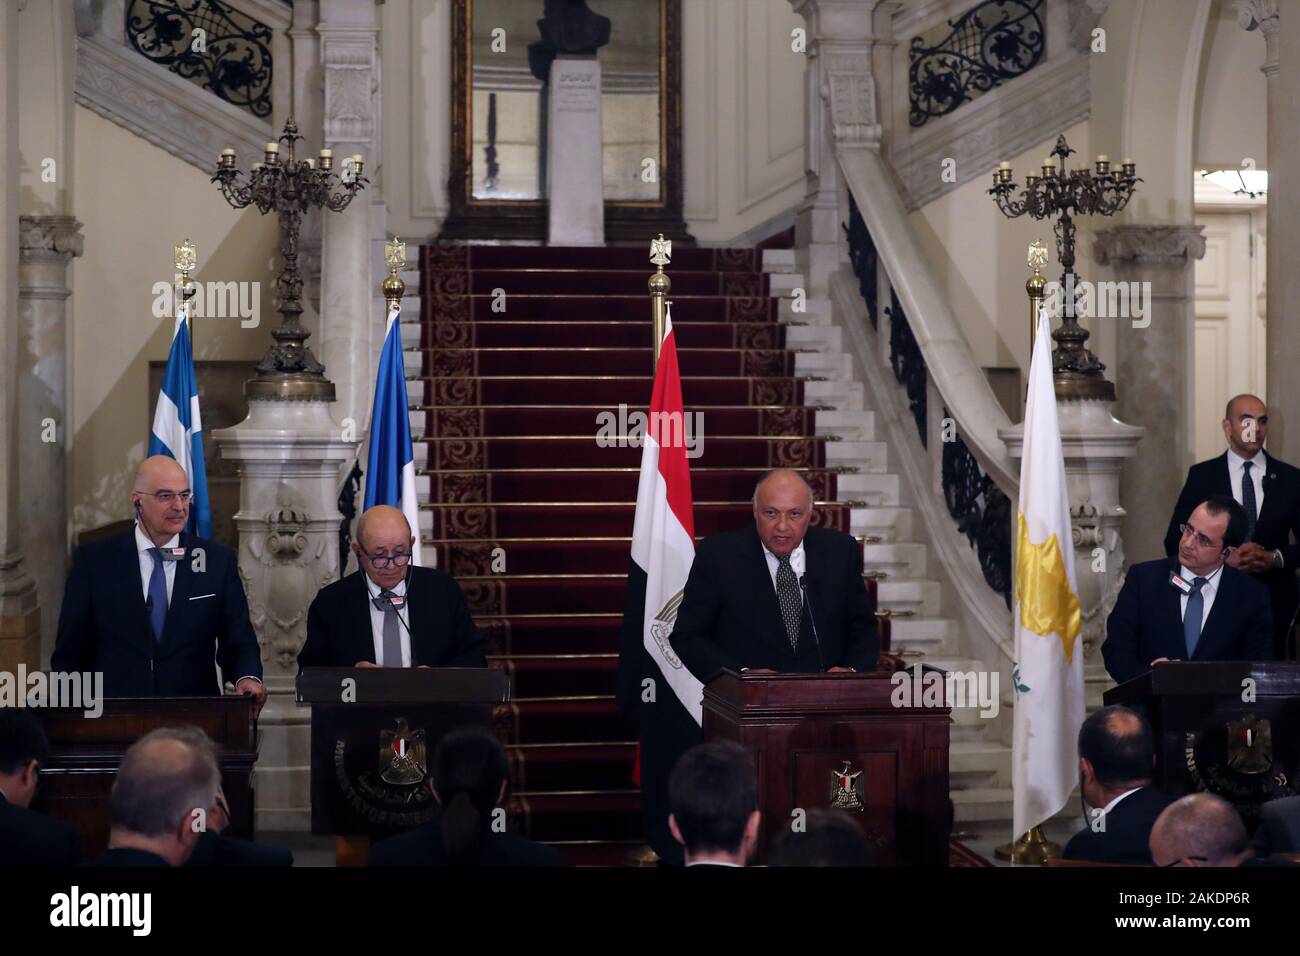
x=1208 y=590
x=1111 y=806
x=377 y=622
x=1258 y=465
x=143 y=546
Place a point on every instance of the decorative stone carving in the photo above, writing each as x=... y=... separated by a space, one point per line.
x=58 y=236
x=851 y=92
x=1262 y=15
x=1149 y=244
x=348 y=68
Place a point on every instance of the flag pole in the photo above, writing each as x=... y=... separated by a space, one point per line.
x=187 y=258
x=661 y=251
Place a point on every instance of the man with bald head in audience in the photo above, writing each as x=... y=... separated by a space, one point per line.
x=157 y=609
x=778 y=594
x=390 y=613
x=1200 y=830
x=159 y=804
x=1268 y=489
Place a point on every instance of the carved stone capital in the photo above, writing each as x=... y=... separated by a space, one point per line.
x=49 y=236
x=850 y=90
x=348 y=66
x=1262 y=15
x=1160 y=245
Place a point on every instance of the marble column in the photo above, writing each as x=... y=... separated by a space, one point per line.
x=1095 y=445
x=1283 y=165
x=1154 y=378
x=20 y=609
x=351 y=326
x=840 y=111
x=288 y=454
x=46 y=244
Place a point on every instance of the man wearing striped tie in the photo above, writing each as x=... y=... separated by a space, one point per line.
x=1268 y=491
x=157 y=609
x=390 y=613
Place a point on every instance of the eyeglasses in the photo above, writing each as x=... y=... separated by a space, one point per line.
x=1201 y=539
x=167 y=497
x=381 y=561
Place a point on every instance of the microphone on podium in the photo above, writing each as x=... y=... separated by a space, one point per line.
x=797 y=564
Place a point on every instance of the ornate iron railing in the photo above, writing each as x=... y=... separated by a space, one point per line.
x=987 y=45
x=982 y=512
x=863 y=258
x=348 y=508
x=209 y=44
x=908 y=363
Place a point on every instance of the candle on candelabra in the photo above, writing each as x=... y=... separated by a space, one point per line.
x=327 y=159
x=227 y=157
x=311 y=163
x=272 y=152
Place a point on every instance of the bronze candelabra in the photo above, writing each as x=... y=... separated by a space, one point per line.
x=1063 y=194
x=291 y=188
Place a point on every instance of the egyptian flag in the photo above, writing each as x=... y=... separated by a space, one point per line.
x=654 y=686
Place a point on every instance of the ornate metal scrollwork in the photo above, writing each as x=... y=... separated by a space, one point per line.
x=987 y=45
x=908 y=363
x=233 y=61
x=863 y=257
x=982 y=512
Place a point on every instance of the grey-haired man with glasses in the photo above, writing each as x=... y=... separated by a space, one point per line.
x=157 y=609
x=390 y=613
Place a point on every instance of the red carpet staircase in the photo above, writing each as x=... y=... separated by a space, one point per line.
x=520 y=349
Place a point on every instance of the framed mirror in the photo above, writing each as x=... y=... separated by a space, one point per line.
x=501 y=56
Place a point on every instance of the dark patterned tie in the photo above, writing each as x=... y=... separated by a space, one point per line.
x=787 y=594
x=1192 y=617
x=1248 y=499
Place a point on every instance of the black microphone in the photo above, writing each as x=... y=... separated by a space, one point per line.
x=803 y=585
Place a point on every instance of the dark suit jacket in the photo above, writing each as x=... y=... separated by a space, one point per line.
x=218 y=850
x=104 y=624
x=1279 y=826
x=28 y=838
x=126 y=856
x=442 y=632
x=729 y=615
x=1127 y=834
x=423 y=847
x=1147 y=621
x=1276 y=528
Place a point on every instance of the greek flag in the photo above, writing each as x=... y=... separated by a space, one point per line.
x=390 y=476
x=177 y=430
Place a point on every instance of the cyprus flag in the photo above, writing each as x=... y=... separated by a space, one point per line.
x=1048 y=671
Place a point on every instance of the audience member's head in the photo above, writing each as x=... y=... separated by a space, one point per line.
x=1200 y=830
x=828 y=838
x=1116 y=754
x=218 y=818
x=23 y=748
x=469 y=779
x=713 y=798
x=164 y=789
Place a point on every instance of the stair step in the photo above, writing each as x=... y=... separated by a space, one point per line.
x=898 y=559
x=606 y=390
x=504 y=332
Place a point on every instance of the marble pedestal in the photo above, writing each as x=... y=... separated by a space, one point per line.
x=288 y=455
x=1095 y=445
x=575 y=156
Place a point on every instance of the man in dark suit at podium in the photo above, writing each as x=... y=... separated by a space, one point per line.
x=1116 y=760
x=390 y=613
x=777 y=595
x=28 y=838
x=153 y=607
x=1194 y=608
x=1269 y=491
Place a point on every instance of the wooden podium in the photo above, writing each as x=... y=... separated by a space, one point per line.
x=836 y=740
x=85 y=753
x=1229 y=727
x=373 y=734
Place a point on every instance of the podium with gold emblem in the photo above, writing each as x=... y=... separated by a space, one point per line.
x=837 y=741
x=1231 y=728
x=373 y=736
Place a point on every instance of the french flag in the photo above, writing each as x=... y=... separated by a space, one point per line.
x=390 y=472
x=654 y=686
x=177 y=429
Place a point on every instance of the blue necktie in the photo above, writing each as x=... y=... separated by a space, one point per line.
x=158 y=595
x=1248 y=499
x=1192 y=617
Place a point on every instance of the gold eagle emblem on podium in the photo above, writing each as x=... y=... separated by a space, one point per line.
x=402 y=755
